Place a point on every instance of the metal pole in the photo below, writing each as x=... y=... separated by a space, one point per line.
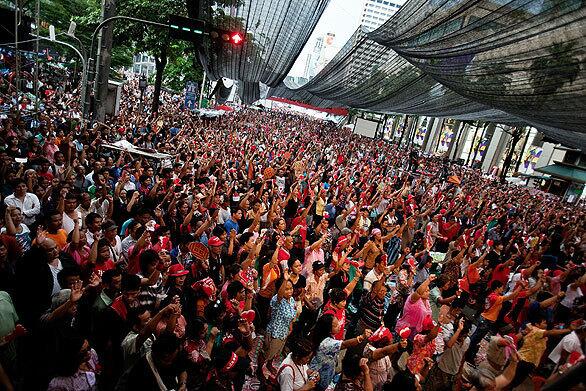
x=83 y=63
x=203 y=83
x=36 y=78
x=89 y=74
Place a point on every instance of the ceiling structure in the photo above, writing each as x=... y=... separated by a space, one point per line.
x=275 y=33
x=517 y=62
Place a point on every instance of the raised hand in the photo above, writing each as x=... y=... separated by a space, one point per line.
x=41 y=236
x=94 y=280
x=76 y=292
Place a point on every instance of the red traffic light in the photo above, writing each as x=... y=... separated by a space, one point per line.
x=236 y=38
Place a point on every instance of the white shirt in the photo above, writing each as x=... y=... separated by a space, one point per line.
x=292 y=376
x=570 y=343
x=30 y=207
x=54 y=271
x=224 y=215
x=571 y=295
x=131 y=353
x=90 y=238
x=82 y=213
x=129 y=186
x=89 y=178
x=100 y=208
x=69 y=223
x=116 y=250
x=371 y=277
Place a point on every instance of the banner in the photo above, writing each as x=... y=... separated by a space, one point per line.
x=532 y=157
x=482 y=148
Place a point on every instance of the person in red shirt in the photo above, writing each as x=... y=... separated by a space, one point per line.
x=501 y=272
x=100 y=260
x=337 y=307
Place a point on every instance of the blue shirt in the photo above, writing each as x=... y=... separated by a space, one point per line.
x=325 y=360
x=229 y=225
x=282 y=314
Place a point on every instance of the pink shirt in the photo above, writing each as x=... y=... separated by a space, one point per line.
x=414 y=314
x=310 y=257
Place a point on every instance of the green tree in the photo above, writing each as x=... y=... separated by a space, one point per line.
x=183 y=66
x=85 y=13
x=149 y=39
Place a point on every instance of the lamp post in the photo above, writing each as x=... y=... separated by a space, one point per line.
x=142 y=85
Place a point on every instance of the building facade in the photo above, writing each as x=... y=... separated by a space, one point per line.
x=376 y=12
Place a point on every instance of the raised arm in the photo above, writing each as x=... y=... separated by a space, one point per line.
x=352 y=284
x=424 y=285
x=388 y=350
x=348 y=343
x=10 y=228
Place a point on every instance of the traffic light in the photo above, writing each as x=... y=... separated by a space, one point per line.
x=187 y=29
x=235 y=38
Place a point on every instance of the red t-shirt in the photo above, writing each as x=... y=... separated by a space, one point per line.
x=99 y=269
x=500 y=273
x=340 y=314
x=472 y=277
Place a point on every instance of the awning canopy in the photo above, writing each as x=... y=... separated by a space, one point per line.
x=516 y=62
x=564 y=171
x=275 y=33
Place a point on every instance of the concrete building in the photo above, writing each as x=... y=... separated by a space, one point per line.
x=376 y=12
x=324 y=49
x=143 y=64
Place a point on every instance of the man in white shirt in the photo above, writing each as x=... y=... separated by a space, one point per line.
x=70 y=213
x=140 y=338
x=84 y=206
x=224 y=213
x=377 y=272
x=572 y=342
x=28 y=203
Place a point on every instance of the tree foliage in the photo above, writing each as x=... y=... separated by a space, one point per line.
x=183 y=66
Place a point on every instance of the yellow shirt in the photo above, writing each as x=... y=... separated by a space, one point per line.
x=319 y=206
x=534 y=345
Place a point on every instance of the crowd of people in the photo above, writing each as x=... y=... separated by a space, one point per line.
x=271 y=251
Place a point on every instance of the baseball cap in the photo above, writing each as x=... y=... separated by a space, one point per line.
x=215 y=241
x=177 y=270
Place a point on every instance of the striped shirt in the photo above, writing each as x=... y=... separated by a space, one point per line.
x=151 y=296
x=394 y=249
x=372 y=311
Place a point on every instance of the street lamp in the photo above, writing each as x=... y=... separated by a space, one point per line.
x=142 y=85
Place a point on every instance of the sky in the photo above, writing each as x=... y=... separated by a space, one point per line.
x=341 y=17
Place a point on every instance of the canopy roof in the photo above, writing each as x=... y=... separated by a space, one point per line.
x=275 y=33
x=564 y=171
x=510 y=61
